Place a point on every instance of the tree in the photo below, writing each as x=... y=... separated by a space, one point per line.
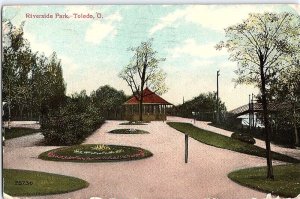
x=203 y=106
x=54 y=83
x=263 y=45
x=16 y=66
x=30 y=80
x=143 y=71
x=108 y=99
x=287 y=89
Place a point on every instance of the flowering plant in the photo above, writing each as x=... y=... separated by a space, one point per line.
x=96 y=153
x=101 y=147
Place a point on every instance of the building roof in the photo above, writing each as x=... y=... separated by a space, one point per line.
x=257 y=107
x=149 y=98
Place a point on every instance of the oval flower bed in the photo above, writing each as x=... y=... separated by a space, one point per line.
x=95 y=153
x=128 y=131
x=133 y=123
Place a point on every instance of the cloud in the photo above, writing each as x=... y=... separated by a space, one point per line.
x=116 y=17
x=191 y=82
x=235 y=97
x=167 y=20
x=198 y=75
x=91 y=77
x=192 y=48
x=201 y=62
x=213 y=17
x=42 y=47
x=99 y=30
x=71 y=71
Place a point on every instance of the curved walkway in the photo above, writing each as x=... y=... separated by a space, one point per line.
x=163 y=176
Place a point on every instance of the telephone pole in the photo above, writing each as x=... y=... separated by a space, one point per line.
x=218 y=115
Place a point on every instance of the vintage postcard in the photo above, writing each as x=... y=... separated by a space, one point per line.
x=151 y=101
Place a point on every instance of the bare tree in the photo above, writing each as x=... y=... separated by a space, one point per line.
x=143 y=71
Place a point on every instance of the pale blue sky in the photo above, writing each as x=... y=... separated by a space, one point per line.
x=93 y=51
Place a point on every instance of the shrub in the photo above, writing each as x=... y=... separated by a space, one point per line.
x=71 y=124
x=243 y=137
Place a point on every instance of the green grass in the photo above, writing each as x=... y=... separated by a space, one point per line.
x=33 y=183
x=258 y=133
x=285 y=184
x=128 y=131
x=18 y=132
x=89 y=153
x=225 y=142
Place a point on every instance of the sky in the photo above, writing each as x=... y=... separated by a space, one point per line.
x=94 y=50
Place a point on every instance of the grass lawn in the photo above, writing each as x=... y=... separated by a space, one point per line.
x=18 y=132
x=128 y=131
x=258 y=133
x=33 y=183
x=95 y=153
x=285 y=184
x=225 y=142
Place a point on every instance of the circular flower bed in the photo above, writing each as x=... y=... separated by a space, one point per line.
x=95 y=153
x=128 y=131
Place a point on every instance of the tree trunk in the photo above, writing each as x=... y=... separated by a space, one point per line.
x=9 y=105
x=21 y=111
x=266 y=123
x=296 y=136
x=141 y=107
x=295 y=127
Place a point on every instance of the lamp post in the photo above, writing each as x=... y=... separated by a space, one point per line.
x=217 y=116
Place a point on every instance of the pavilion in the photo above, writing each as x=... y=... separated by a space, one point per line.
x=154 y=107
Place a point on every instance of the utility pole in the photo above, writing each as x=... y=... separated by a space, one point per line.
x=252 y=111
x=218 y=113
x=249 y=112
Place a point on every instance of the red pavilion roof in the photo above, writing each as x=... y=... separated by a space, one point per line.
x=149 y=98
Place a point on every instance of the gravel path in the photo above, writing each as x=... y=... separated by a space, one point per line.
x=163 y=176
x=23 y=124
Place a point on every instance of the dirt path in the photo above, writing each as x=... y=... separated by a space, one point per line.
x=163 y=176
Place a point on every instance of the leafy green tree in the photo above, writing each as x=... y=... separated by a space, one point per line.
x=263 y=45
x=203 y=106
x=108 y=99
x=31 y=82
x=54 y=82
x=143 y=71
x=16 y=66
x=286 y=89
